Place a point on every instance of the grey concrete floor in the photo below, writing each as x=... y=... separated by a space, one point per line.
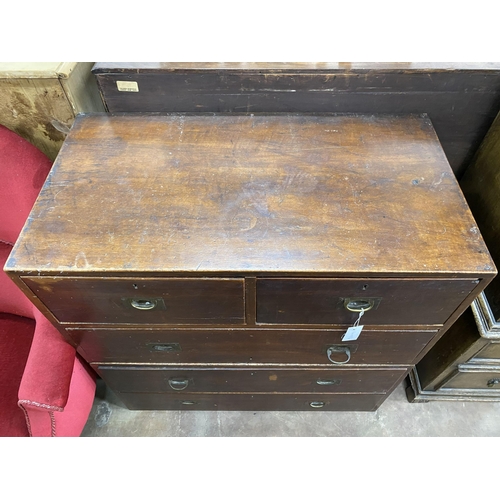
x=396 y=417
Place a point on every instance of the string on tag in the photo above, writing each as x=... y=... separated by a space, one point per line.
x=356 y=323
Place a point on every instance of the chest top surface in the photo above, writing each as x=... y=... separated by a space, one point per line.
x=299 y=194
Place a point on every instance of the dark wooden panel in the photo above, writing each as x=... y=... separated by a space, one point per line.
x=252 y=402
x=481 y=187
x=180 y=301
x=461 y=101
x=323 y=301
x=248 y=346
x=140 y=378
x=458 y=344
x=241 y=194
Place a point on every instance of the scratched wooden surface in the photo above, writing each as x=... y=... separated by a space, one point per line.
x=249 y=194
x=462 y=99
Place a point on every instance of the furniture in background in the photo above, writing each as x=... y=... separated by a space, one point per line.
x=461 y=99
x=465 y=364
x=39 y=100
x=216 y=262
x=45 y=387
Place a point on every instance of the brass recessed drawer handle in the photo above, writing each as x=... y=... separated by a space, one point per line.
x=321 y=381
x=173 y=347
x=316 y=404
x=336 y=349
x=178 y=384
x=493 y=382
x=143 y=304
x=358 y=305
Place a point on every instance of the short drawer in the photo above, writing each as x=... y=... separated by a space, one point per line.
x=474 y=377
x=253 y=402
x=250 y=346
x=222 y=380
x=338 y=301
x=142 y=300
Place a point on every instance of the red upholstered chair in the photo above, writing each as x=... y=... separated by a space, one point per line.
x=45 y=388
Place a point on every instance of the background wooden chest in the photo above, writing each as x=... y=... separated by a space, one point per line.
x=215 y=262
x=461 y=99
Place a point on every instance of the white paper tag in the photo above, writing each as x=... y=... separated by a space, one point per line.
x=352 y=333
x=127 y=86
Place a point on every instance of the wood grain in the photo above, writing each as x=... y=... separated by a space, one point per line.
x=233 y=194
x=461 y=99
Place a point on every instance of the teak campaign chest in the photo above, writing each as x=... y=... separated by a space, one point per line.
x=215 y=262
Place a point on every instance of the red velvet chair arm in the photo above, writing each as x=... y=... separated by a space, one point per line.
x=57 y=389
x=46 y=380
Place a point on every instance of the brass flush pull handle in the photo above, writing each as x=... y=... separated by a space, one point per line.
x=358 y=305
x=143 y=304
x=316 y=404
x=493 y=382
x=328 y=382
x=178 y=384
x=173 y=347
x=336 y=349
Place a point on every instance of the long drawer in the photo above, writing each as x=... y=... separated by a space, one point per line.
x=127 y=378
x=253 y=402
x=250 y=346
x=142 y=300
x=338 y=301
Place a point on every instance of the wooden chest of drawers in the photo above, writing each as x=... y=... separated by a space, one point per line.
x=216 y=262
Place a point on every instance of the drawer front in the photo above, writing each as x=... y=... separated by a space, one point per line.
x=489 y=379
x=253 y=402
x=490 y=352
x=249 y=346
x=142 y=300
x=327 y=301
x=165 y=379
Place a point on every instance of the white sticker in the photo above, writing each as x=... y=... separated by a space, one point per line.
x=352 y=333
x=127 y=86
